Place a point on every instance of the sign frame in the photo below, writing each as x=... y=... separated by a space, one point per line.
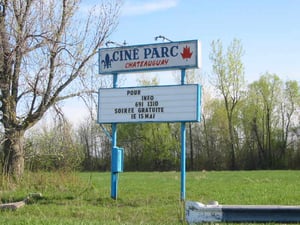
x=150 y=57
x=136 y=100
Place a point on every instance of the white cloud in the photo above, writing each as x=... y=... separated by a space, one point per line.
x=138 y=7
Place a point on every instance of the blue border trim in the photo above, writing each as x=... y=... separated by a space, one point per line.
x=199 y=98
x=150 y=69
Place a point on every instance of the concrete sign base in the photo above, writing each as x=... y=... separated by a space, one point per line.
x=197 y=213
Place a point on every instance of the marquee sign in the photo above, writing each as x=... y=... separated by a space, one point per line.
x=170 y=55
x=171 y=103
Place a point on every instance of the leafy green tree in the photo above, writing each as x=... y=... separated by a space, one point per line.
x=53 y=148
x=265 y=96
x=228 y=79
x=269 y=119
x=290 y=102
x=213 y=135
x=160 y=147
x=131 y=138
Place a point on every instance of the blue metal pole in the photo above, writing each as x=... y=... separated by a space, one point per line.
x=114 y=176
x=183 y=149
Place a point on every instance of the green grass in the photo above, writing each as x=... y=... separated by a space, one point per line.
x=143 y=198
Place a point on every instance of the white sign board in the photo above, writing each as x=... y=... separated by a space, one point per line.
x=174 y=103
x=170 y=55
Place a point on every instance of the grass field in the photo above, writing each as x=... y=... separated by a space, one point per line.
x=143 y=198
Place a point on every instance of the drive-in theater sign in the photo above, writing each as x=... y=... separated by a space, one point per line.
x=171 y=55
x=168 y=103
x=172 y=103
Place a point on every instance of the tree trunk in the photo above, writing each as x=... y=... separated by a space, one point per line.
x=232 y=147
x=14 y=154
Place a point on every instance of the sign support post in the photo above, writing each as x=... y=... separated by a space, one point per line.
x=183 y=149
x=149 y=104
x=114 y=175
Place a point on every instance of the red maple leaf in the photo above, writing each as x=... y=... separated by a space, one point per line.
x=186 y=54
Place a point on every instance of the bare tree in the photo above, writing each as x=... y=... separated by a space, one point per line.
x=45 y=48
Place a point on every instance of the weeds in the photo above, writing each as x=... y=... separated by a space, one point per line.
x=144 y=198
